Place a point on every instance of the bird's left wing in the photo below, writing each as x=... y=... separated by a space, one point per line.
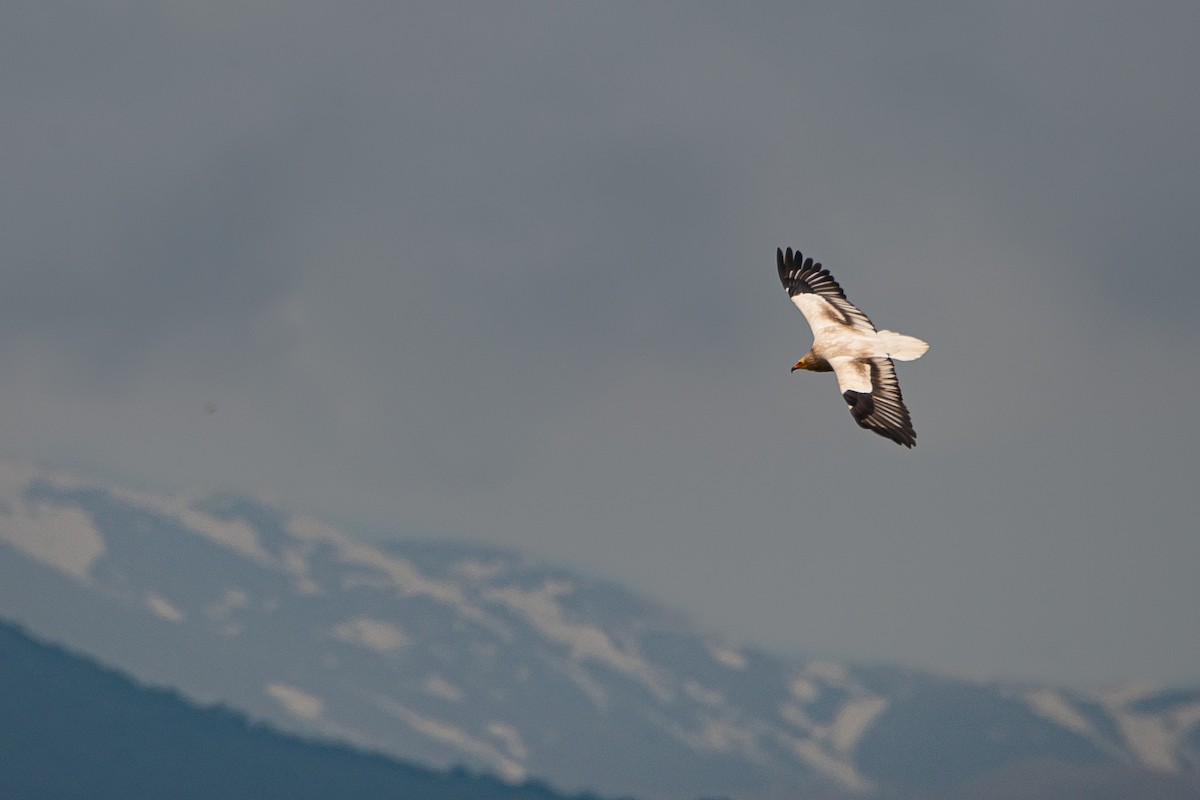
x=870 y=388
x=818 y=295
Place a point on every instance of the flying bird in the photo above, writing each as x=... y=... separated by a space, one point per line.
x=846 y=343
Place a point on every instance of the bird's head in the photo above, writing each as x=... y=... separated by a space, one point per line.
x=813 y=363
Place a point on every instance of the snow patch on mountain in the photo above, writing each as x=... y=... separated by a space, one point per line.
x=857 y=709
x=373 y=634
x=541 y=609
x=474 y=569
x=853 y=721
x=511 y=769
x=585 y=683
x=62 y=538
x=722 y=734
x=1052 y=705
x=163 y=608
x=1150 y=740
x=837 y=770
x=405 y=577
x=1155 y=736
x=727 y=657
x=296 y=701
x=235 y=535
x=829 y=739
x=509 y=737
x=295 y=561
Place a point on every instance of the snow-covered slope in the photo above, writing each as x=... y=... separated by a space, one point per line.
x=462 y=654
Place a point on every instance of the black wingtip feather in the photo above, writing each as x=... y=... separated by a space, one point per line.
x=861 y=404
x=884 y=414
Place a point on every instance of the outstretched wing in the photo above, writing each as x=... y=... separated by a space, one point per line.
x=870 y=388
x=818 y=295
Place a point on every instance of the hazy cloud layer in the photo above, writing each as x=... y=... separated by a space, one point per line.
x=507 y=275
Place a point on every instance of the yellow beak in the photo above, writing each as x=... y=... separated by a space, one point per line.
x=799 y=365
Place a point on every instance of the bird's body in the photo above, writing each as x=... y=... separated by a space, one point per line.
x=846 y=343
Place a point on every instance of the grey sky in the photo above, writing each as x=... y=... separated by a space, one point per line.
x=505 y=274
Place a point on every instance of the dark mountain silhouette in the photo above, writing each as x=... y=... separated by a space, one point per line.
x=70 y=728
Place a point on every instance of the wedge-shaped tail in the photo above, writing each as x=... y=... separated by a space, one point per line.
x=901 y=347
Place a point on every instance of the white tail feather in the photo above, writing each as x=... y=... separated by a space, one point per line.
x=899 y=346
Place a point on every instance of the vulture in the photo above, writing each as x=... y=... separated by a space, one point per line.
x=846 y=343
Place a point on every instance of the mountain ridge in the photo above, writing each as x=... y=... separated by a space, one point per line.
x=454 y=653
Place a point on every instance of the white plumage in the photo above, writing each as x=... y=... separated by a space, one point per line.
x=846 y=342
